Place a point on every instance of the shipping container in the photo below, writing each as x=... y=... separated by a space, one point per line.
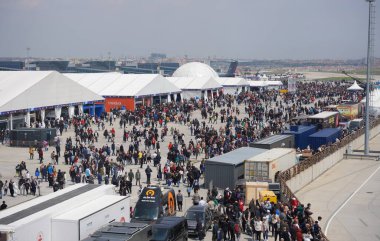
x=301 y=133
x=223 y=171
x=267 y=165
x=285 y=141
x=324 y=137
x=81 y=221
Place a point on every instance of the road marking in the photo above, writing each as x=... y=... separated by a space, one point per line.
x=361 y=220
x=348 y=199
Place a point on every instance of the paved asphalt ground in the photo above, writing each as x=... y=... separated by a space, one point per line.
x=10 y=156
x=349 y=191
x=358 y=220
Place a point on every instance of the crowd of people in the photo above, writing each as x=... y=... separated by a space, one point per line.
x=260 y=219
x=225 y=123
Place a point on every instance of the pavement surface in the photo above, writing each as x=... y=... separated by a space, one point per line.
x=11 y=156
x=347 y=197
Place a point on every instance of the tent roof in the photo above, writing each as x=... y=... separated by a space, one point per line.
x=257 y=83
x=116 y=84
x=234 y=81
x=274 y=82
x=195 y=83
x=20 y=90
x=355 y=86
x=195 y=69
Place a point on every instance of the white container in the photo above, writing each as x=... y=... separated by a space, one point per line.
x=37 y=225
x=265 y=166
x=82 y=221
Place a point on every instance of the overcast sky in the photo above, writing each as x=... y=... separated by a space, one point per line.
x=243 y=29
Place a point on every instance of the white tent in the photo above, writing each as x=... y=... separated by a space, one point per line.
x=232 y=85
x=28 y=90
x=195 y=87
x=125 y=85
x=257 y=83
x=354 y=87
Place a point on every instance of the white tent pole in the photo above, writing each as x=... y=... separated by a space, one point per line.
x=11 y=122
x=42 y=112
x=27 y=119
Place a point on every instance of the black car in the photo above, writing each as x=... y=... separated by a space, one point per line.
x=170 y=229
x=198 y=212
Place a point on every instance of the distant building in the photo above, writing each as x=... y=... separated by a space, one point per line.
x=57 y=65
x=11 y=65
x=151 y=68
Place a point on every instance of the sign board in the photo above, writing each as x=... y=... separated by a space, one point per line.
x=292 y=85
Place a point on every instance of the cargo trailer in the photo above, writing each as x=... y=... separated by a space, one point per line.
x=223 y=171
x=32 y=220
x=81 y=221
x=324 y=137
x=267 y=165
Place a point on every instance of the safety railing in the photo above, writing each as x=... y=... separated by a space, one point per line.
x=288 y=174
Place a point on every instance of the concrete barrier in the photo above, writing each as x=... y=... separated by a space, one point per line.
x=306 y=176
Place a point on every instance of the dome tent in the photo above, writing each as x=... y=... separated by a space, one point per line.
x=195 y=69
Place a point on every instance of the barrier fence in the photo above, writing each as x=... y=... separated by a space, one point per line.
x=309 y=162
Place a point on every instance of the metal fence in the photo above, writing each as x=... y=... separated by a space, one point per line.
x=305 y=164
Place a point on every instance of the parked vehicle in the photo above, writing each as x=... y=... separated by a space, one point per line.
x=170 y=229
x=356 y=124
x=203 y=213
x=152 y=205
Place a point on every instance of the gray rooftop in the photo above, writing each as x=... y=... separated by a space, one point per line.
x=272 y=139
x=237 y=156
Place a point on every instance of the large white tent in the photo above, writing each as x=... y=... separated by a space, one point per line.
x=233 y=85
x=196 y=87
x=22 y=91
x=125 y=85
x=127 y=90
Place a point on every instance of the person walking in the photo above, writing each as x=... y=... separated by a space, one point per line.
x=196 y=197
x=138 y=177
x=1 y=189
x=179 y=200
x=131 y=175
x=11 y=188
x=148 y=173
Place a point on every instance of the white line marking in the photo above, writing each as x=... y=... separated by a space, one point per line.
x=349 y=198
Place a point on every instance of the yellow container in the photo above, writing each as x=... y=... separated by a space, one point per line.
x=264 y=195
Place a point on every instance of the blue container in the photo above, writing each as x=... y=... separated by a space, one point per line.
x=323 y=137
x=301 y=134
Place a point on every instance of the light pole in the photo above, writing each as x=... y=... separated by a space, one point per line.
x=109 y=61
x=369 y=62
x=27 y=57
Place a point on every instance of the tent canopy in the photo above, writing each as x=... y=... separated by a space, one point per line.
x=257 y=83
x=232 y=82
x=195 y=83
x=355 y=86
x=21 y=90
x=125 y=85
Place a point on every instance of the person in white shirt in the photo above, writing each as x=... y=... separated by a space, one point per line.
x=202 y=202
